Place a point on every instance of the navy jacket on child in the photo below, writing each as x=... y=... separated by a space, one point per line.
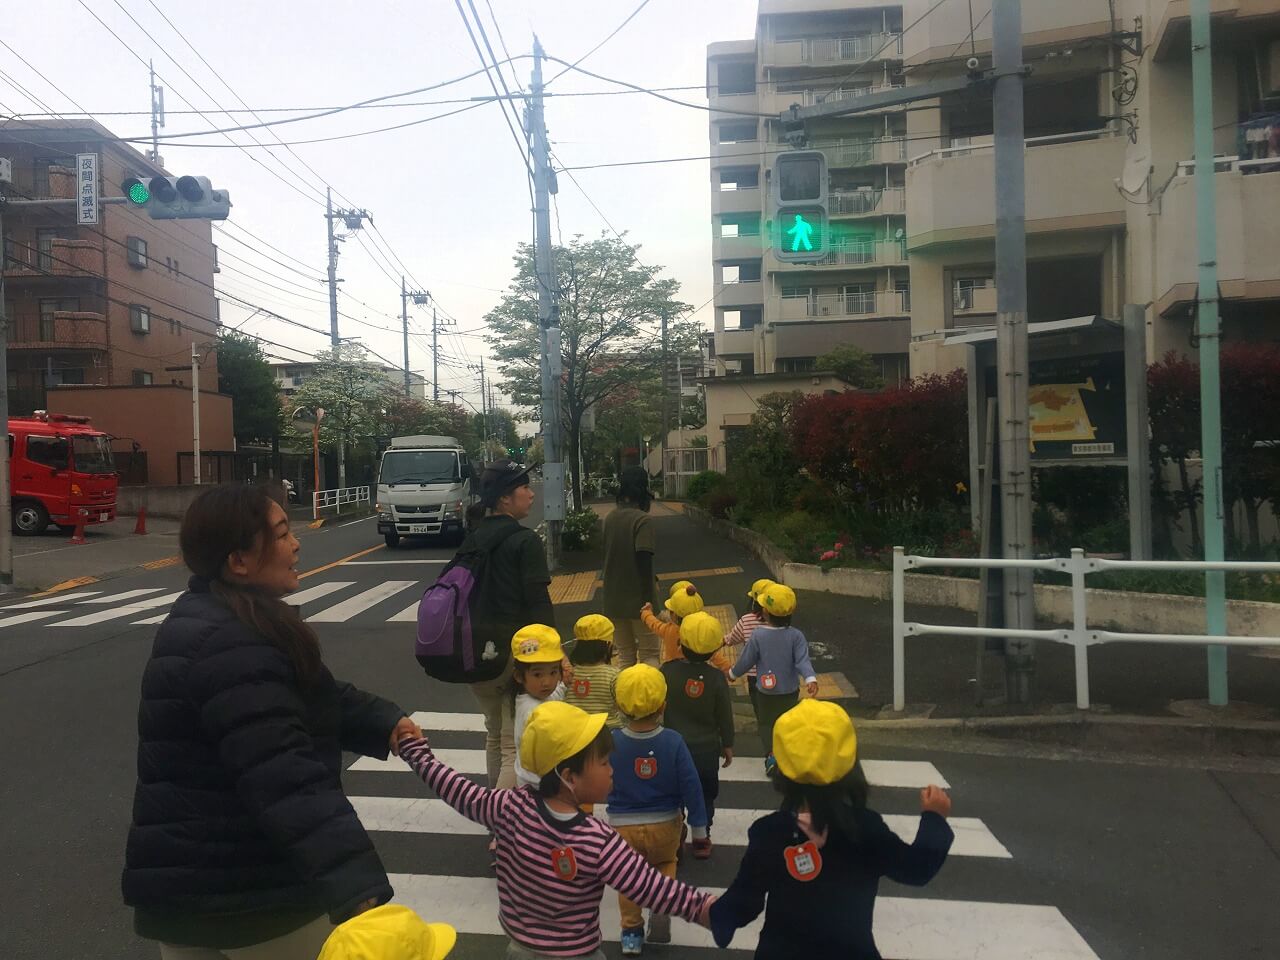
x=822 y=892
x=653 y=774
x=699 y=707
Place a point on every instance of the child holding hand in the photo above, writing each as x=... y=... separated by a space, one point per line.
x=679 y=605
x=814 y=865
x=537 y=673
x=554 y=861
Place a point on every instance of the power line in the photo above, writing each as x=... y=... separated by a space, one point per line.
x=521 y=145
x=884 y=46
x=613 y=33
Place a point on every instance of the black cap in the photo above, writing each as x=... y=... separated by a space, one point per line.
x=500 y=478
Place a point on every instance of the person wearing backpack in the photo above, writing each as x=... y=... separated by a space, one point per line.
x=500 y=571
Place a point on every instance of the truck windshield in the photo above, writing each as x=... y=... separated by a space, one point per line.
x=93 y=454
x=419 y=466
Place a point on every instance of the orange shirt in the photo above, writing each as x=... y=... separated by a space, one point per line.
x=669 y=634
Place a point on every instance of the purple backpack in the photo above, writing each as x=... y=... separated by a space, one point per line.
x=457 y=642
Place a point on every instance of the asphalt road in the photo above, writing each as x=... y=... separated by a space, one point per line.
x=1117 y=861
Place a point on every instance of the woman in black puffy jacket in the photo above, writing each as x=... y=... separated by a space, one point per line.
x=241 y=834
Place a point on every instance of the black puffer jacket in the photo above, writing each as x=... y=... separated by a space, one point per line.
x=240 y=826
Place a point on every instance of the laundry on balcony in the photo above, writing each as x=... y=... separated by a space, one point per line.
x=1259 y=139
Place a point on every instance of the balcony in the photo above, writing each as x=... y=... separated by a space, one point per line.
x=944 y=33
x=865 y=152
x=1248 y=208
x=1069 y=186
x=861 y=253
x=777 y=100
x=735 y=201
x=746 y=294
x=970 y=301
x=1171 y=20
x=737 y=152
x=62 y=330
x=824 y=51
x=65 y=258
x=866 y=203
x=869 y=304
x=735 y=343
x=747 y=247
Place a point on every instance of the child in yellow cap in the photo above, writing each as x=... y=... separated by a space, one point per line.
x=699 y=708
x=554 y=861
x=814 y=866
x=536 y=677
x=780 y=653
x=593 y=672
x=654 y=780
x=679 y=605
x=389 y=932
x=736 y=639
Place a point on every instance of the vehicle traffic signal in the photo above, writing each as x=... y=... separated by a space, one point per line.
x=178 y=198
x=801 y=225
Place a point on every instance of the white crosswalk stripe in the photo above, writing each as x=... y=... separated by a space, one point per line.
x=127 y=595
x=926 y=927
x=317 y=592
x=56 y=600
x=118 y=613
x=344 y=611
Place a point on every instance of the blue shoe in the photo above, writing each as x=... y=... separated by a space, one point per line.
x=633 y=942
x=770 y=765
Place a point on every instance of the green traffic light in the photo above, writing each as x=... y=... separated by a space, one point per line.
x=801 y=234
x=138 y=192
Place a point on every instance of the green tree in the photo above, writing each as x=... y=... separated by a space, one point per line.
x=853 y=365
x=352 y=391
x=610 y=310
x=406 y=416
x=245 y=375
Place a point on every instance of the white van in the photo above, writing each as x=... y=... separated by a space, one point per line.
x=424 y=489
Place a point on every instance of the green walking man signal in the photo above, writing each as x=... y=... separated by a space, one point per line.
x=801 y=234
x=800 y=222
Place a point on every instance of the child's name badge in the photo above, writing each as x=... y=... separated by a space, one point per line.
x=693 y=687
x=646 y=767
x=581 y=688
x=768 y=681
x=564 y=863
x=804 y=862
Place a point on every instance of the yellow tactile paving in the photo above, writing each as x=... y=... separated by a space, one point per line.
x=573 y=587
x=162 y=563
x=725 y=613
x=695 y=574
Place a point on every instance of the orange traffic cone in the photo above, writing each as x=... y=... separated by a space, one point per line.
x=140 y=528
x=78 y=535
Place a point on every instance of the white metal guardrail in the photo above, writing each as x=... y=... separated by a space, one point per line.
x=1080 y=635
x=337 y=499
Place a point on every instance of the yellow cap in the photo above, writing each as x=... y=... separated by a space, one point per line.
x=701 y=633
x=556 y=731
x=814 y=742
x=389 y=932
x=778 y=599
x=536 y=643
x=758 y=587
x=593 y=626
x=640 y=690
x=683 y=604
x=678 y=586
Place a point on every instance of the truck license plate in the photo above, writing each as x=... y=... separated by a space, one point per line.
x=418 y=528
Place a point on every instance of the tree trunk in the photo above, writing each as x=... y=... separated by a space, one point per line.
x=575 y=444
x=1197 y=550
x=1251 y=511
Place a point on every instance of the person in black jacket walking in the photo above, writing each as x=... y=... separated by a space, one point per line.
x=241 y=835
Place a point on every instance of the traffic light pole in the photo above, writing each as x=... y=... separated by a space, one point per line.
x=404 y=320
x=548 y=318
x=6 y=506
x=334 y=342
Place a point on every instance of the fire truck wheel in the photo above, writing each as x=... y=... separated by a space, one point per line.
x=29 y=518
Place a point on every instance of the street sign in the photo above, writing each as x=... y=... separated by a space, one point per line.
x=86 y=189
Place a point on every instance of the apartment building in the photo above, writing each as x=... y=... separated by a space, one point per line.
x=1110 y=198
x=291 y=376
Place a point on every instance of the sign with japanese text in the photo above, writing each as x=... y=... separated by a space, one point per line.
x=86 y=188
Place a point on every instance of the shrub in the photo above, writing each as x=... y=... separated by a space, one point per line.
x=579 y=530
x=720 y=503
x=702 y=484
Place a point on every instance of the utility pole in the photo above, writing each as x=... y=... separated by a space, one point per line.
x=666 y=387
x=1208 y=330
x=404 y=320
x=6 y=506
x=157 y=116
x=195 y=412
x=435 y=357
x=353 y=220
x=484 y=414
x=548 y=317
x=1012 y=361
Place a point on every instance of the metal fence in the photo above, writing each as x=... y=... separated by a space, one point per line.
x=1080 y=635
x=337 y=499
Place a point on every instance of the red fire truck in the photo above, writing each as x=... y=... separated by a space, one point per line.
x=60 y=470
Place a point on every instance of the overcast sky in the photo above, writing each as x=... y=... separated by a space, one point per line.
x=448 y=196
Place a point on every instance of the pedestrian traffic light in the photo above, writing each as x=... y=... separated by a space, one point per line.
x=801 y=231
x=178 y=198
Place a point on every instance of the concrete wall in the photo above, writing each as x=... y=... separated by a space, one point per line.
x=168 y=502
x=157 y=417
x=732 y=400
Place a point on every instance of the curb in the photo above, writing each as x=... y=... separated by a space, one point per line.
x=345 y=517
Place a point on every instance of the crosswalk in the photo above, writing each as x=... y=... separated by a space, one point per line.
x=437 y=857
x=332 y=601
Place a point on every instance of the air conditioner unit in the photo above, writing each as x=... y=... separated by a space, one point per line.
x=137 y=252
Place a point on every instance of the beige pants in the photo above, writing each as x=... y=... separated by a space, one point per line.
x=302 y=944
x=633 y=641
x=656 y=842
x=498 y=708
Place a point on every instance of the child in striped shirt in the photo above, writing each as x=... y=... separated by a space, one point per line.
x=554 y=861
x=594 y=674
x=736 y=639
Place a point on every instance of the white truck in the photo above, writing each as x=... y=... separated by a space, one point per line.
x=424 y=489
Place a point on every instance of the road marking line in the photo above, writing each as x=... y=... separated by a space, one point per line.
x=912 y=774
x=117 y=613
x=695 y=574
x=19 y=618
x=150 y=620
x=162 y=563
x=341 y=612
x=352 y=523
x=427 y=815
x=573 y=587
x=117 y=597
x=52 y=601
x=338 y=563
x=408 y=615
x=908 y=928
x=393 y=563
x=316 y=592
x=65 y=585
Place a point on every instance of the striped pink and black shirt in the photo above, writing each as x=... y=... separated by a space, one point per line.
x=552 y=873
x=737 y=637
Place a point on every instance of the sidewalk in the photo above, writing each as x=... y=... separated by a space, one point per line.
x=48 y=560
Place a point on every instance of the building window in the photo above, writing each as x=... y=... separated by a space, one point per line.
x=48 y=323
x=736 y=78
x=71 y=375
x=139 y=318
x=173 y=326
x=137 y=252
x=142 y=378
x=743 y=179
x=893 y=368
x=736 y=132
x=796 y=364
x=40 y=176
x=216 y=269
x=177 y=268
x=748 y=272
x=44 y=248
x=13 y=256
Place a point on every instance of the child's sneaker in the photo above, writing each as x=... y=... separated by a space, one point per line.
x=633 y=942
x=769 y=764
x=659 y=928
